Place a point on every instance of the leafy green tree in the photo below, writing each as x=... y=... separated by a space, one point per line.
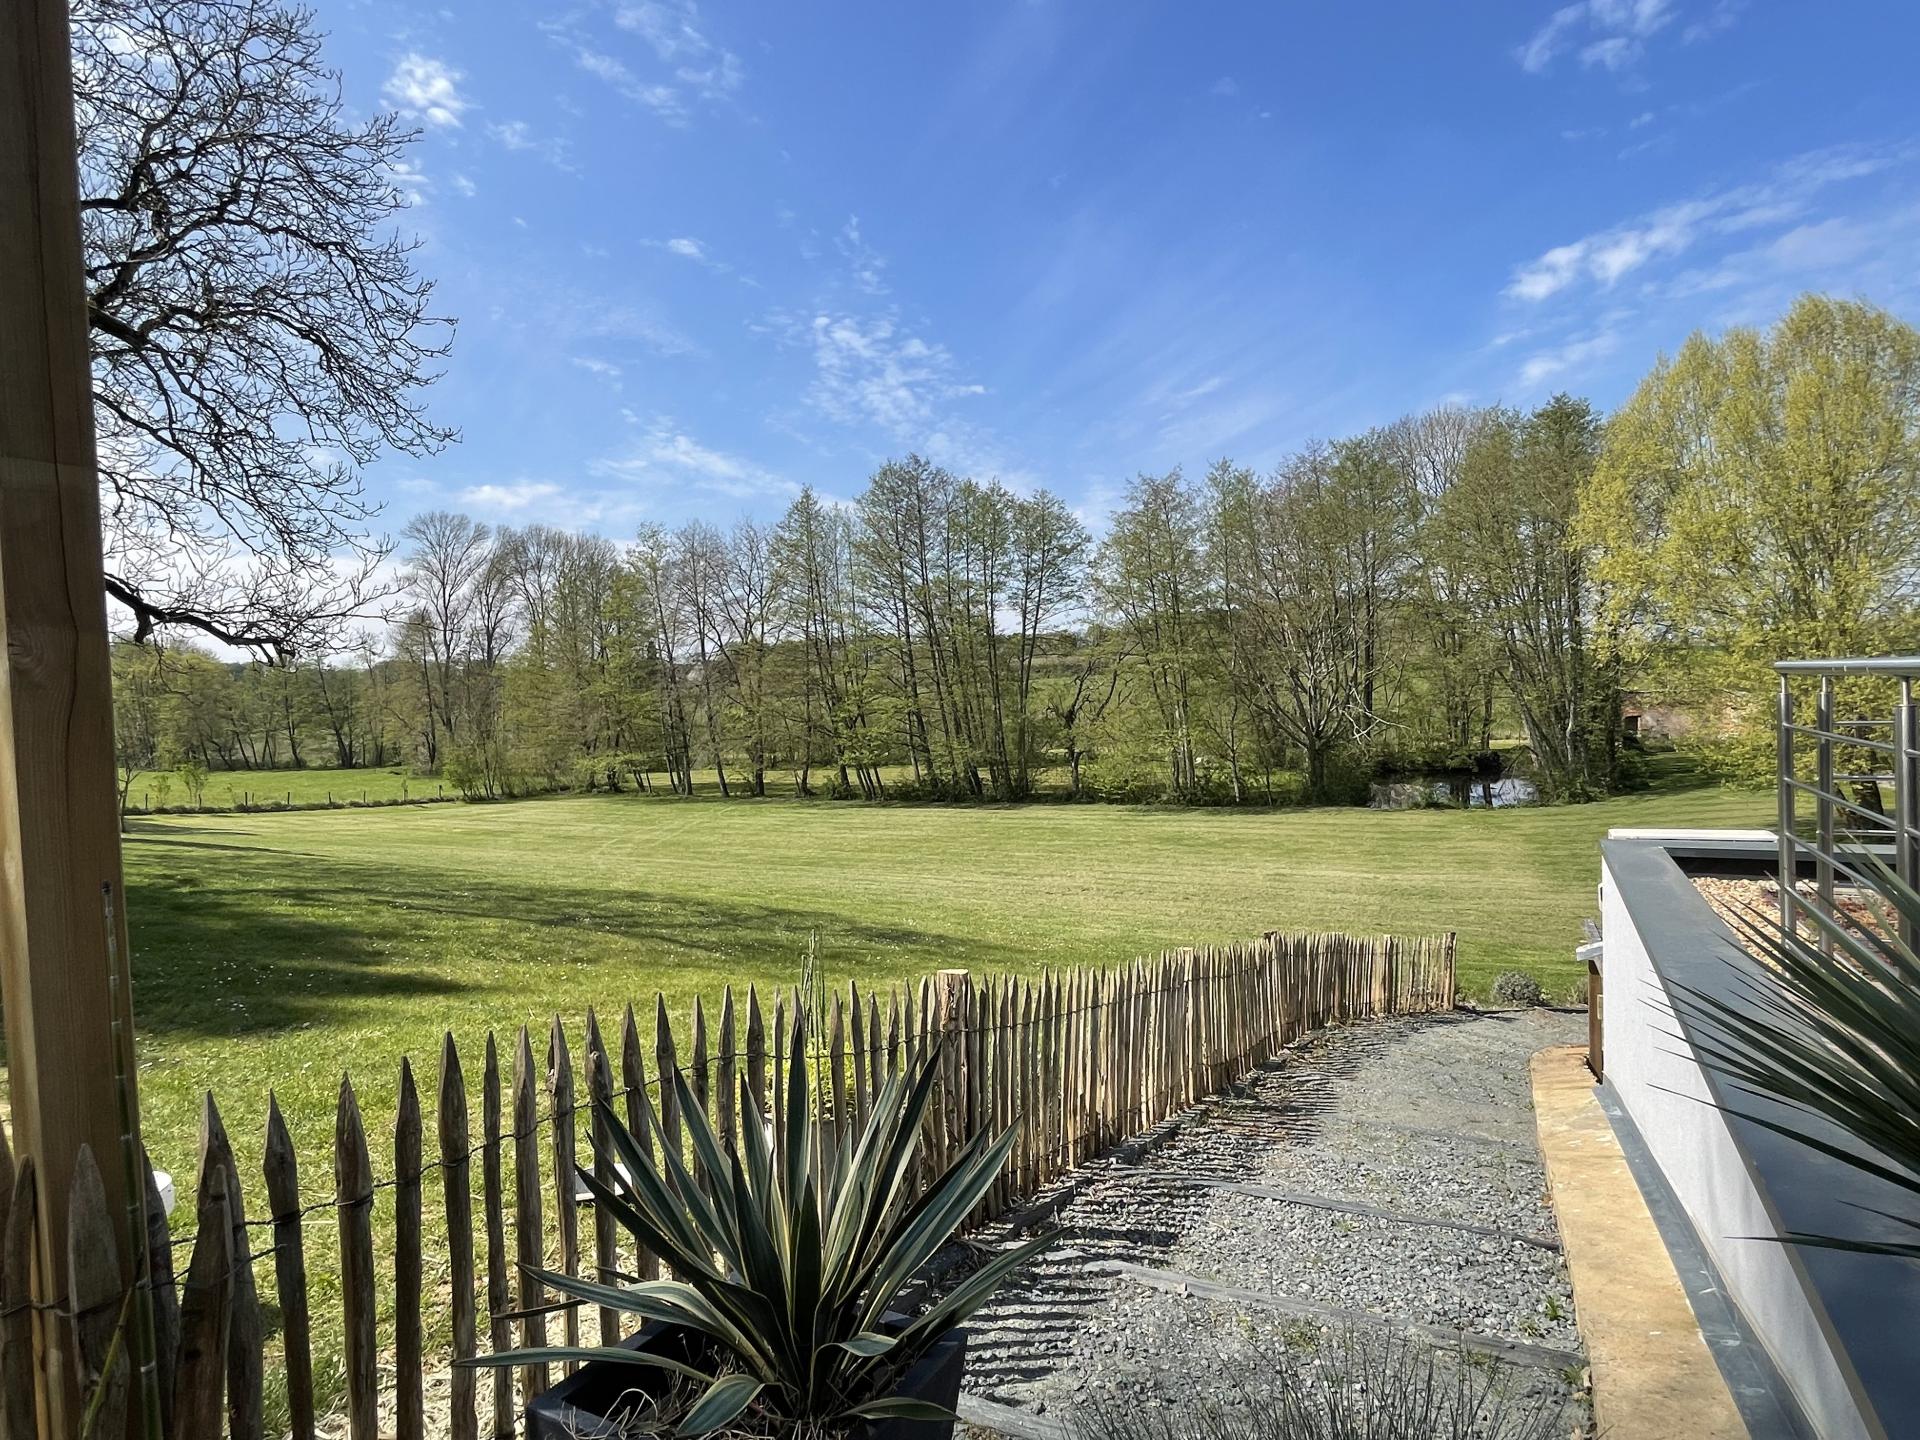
x=1759 y=496
x=1514 y=518
x=1308 y=664
x=1451 y=654
x=1153 y=576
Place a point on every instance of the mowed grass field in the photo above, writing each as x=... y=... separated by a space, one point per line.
x=231 y=789
x=281 y=950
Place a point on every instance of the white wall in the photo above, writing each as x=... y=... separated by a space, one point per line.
x=1660 y=1084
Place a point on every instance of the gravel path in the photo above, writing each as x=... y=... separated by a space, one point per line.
x=1429 y=1117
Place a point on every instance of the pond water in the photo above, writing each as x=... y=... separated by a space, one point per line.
x=1464 y=792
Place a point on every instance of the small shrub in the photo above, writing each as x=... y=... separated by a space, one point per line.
x=193 y=775
x=1516 y=987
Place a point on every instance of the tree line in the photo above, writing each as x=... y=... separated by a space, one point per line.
x=1238 y=637
x=1410 y=597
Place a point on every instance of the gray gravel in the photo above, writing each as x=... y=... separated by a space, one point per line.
x=1430 y=1117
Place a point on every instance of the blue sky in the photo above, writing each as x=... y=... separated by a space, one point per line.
x=704 y=255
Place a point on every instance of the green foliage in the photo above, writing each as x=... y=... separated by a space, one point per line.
x=790 y=1260
x=1516 y=987
x=192 y=776
x=1759 y=497
x=466 y=770
x=1511 y=528
x=295 y=946
x=1835 y=1038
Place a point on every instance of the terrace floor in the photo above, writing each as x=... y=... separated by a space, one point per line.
x=1386 y=1178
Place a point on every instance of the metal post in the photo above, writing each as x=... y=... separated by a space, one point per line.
x=1906 y=796
x=1785 y=746
x=1823 y=804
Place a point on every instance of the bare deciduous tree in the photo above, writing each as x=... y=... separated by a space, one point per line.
x=259 y=330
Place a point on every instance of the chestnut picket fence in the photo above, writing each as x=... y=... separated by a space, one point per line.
x=272 y=1325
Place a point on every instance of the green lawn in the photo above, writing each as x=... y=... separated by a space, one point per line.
x=281 y=949
x=231 y=789
x=277 y=950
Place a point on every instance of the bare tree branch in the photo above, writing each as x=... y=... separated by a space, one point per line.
x=259 y=331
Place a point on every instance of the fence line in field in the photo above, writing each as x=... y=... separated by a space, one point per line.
x=1075 y=1061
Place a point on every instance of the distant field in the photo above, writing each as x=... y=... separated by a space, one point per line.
x=245 y=789
x=281 y=949
x=232 y=789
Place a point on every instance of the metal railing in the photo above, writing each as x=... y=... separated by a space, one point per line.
x=1874 y=754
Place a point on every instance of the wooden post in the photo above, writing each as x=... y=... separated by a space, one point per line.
x=456 y=1170
x=60 y=911
x=529 y=1236
x=493 y=1207
x=245 y=1330
x=290 y=1272
x=566 y=1160
x=353 y=1200
x=606 y=1230
x=408 y=1284
x=726 y=1090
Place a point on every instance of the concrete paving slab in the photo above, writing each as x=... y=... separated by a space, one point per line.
x=1653 y=1374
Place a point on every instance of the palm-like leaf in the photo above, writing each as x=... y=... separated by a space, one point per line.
x=1832 y=1037
x=786 y=1260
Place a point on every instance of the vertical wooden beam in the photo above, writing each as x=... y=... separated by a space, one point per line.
x=353 y=1202
x=59 y=836
x=456 y=1171
x=493 y=1206
x=409 y=1332
x=529 y=1235
x=282 y=1175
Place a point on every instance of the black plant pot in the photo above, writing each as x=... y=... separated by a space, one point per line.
x=600 y=1399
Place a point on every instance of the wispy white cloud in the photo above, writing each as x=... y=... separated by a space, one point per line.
x=869 y=371
x=1872 y=253
x=562 y=317
x=410 y=180
x=673 y=29
x=665 y=454
x=865 y=265
x=521 y=138
x=1607 y=256
x=1565 y=360
x=604 y=369
x=1717 y=21
x=1607 y=33
x=689 y=247
x=695 y=67
x=1226 y=87
x=510 y=498
x=428 y=90
x=663 y=100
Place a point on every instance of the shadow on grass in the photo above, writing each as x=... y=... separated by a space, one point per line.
x=261 y=940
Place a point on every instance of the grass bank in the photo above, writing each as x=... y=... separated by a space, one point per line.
x=281 y=949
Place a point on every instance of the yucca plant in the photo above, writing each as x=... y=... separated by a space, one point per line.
x=1833 y=1036
x=785 y=1277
